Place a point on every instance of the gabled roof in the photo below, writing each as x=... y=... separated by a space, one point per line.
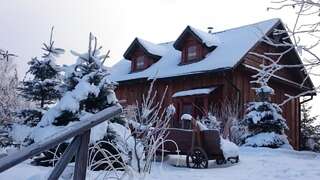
x=209 y=40
x=153 y=50
x=233 y=45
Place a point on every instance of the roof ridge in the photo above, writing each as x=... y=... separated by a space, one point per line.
x=230 y=29
x=256 y=23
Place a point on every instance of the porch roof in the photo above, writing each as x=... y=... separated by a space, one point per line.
x=193 y=92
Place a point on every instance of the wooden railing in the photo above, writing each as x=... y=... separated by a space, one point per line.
x=78 y=147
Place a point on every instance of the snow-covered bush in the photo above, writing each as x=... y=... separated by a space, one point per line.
x=227 y=116
x=237 y=132
x=210 y=121
x=264 y=121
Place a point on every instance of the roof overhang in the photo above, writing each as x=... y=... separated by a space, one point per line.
x=198 y=73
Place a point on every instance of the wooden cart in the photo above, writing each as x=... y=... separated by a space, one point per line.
x=198 y=146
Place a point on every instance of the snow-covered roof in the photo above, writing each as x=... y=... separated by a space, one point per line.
x=232 y=46
x=152 y=48
x=192 y=92
x=207 y=38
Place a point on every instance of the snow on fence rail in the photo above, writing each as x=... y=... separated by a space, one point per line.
x=78 y=147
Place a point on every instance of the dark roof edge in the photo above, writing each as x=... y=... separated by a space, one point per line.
x=177 y=76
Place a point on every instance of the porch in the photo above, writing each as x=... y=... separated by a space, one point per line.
x=197 y=102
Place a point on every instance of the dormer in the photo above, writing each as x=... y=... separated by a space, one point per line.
x=142 y=54
x=195 y=44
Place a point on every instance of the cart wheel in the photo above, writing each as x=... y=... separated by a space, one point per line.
x=221 y=161
x=197 y=159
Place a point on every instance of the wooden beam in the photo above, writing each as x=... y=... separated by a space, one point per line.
x=65 y=159
x=80 y=169
x=69 y=132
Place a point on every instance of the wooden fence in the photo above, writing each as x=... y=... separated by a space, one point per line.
x=80 y=132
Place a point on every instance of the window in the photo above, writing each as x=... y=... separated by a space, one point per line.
x=140 y=62
x=187 y=108
x=191 y=53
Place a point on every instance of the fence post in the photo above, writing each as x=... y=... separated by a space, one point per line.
x=80 y=169
x=65 y=159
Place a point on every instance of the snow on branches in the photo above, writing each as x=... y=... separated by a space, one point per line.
x=264 y=121
x=149 y=122
x=41 y=83
x=302 y=36
x=86 y=86
x=9 y=102
x=85 y=90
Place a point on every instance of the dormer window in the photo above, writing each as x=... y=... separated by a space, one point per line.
x=140 y=63
x=143 y=54
x=194 y=45
x=192 y=53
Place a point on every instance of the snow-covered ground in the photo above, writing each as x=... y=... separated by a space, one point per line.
x=255 y=164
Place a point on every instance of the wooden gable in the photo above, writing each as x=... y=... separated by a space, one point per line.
x=189 y=40
x=293 y=76
x=139 y=56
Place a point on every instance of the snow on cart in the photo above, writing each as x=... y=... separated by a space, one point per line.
x=200 y=145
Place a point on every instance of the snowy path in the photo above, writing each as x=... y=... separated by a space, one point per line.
x=255 y=164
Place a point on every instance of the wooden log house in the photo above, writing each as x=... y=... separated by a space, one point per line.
x=203 y=70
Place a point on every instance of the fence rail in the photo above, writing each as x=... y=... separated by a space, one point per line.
x=78 y=147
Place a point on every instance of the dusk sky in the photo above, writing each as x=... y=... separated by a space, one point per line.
x=26 y=24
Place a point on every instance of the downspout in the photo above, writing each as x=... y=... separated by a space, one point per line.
x=236 y=88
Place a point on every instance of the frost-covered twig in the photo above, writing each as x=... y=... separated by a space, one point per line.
x=271 y=60
x=305 y=36
x=149 y=125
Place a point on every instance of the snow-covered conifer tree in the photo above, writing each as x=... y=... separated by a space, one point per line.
x=86 y=87
x=87 y=90
x=41 y=84
x=310 y=132
x=265 y=124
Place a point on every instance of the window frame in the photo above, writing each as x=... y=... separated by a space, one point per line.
x=140 y=62
x=194 y=55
